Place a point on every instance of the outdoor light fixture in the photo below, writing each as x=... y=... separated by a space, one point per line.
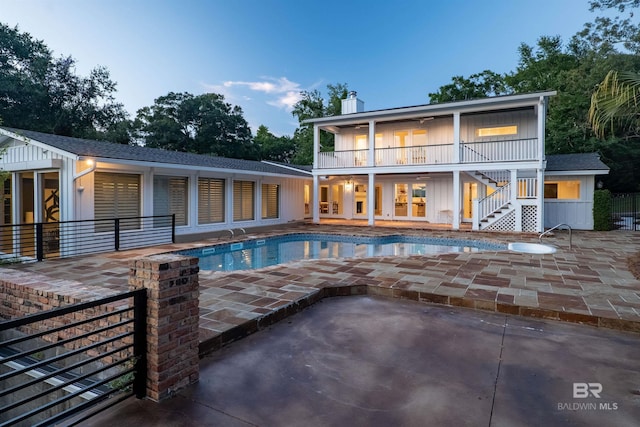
x=349 y=183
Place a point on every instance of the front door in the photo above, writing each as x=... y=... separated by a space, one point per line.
x=469 y=192
x=50 y=215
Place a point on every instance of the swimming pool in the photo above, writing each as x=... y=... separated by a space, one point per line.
x=258 y=253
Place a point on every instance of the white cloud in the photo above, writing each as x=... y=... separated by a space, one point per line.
x=287 y=100
x=285 y=92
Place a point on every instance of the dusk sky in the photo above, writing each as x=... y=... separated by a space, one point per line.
x=261 y=53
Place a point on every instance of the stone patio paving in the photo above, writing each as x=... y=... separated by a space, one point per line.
x=589 y=283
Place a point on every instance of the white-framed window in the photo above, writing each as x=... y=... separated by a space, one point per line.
x=497 y=131
x=171 y=196
x=562 y=190
x=117 y=195
x=243 y=200
x=211 y=200
x=270 y=201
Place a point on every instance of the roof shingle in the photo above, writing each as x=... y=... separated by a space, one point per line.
x=109 y=150
x=575 y=162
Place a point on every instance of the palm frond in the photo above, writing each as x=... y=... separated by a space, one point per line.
x=616 y=100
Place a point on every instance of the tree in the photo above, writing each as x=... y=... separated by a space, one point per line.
x=202 y=124
x=480 y=85
x=616 y=101
x=607 y=33
x=43 y=93
x=271 y=147
x=312 y=105
x=574 y=70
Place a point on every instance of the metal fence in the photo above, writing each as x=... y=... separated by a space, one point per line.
x=625 y=211
x=38 y=241
x=70 y=363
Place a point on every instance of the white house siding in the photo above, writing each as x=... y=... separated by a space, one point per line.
x=291 y=204
x=439 y=131
x=578 y=214
x=440 y=200
x=23 y=157
x=525 y=120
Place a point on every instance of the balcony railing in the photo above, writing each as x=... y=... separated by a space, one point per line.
x=418 y=155
x=470 y=152
x=499 y=151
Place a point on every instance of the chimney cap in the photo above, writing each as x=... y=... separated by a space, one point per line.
x=353 y=94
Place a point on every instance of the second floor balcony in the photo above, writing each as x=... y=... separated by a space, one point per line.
x=434 y=154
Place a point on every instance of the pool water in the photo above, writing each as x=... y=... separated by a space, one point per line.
x=259 y=253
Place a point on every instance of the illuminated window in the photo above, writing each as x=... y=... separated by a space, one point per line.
x=117 y=195
x=562 y=190
x=419 y=137
x=497 y=131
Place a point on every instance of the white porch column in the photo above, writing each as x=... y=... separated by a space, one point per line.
x=37 y=197
x=228 y=215
x=540 y=201
x=371 y=158
x=316 y=146
x=314 y=205
x=371 y=200
x=455 y=222
x=456 y=137
x=513 y=197
x=542 y=115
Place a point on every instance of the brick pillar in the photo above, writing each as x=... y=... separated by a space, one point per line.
x=172 y=320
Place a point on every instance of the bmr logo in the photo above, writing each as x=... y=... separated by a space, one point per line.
x=584 y=390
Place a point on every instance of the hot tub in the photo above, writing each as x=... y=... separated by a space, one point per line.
x=531 y=248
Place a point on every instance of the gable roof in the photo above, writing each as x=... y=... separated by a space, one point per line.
x=109 y=150
x=575 y=162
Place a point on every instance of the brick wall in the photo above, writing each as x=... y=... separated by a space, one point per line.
x=172 y=316
x=172 y=320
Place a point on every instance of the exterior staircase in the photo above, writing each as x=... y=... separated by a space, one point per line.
x=492 y=208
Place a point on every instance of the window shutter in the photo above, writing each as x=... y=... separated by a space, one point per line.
x=243 y=200
x=117 y=195
x=170 y=196
x=270 y=201
x=210 y=200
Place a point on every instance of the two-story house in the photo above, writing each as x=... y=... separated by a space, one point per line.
x=478 y=161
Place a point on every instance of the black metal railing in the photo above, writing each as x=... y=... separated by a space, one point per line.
x=38 y=241
x=71 y=363
x=625 y=211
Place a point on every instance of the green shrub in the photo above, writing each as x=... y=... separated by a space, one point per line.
x=602 y=210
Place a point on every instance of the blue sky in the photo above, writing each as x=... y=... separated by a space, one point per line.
x=261 y=53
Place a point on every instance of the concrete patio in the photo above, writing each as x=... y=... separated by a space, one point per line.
x=373 y=361
x=589 y=283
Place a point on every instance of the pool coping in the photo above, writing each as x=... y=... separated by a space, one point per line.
x=235 y=333
x=497 y=245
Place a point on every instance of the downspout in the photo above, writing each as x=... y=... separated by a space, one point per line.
x=86 y=171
